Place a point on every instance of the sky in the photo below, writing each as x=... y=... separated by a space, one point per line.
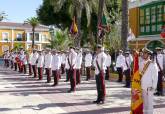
x=19 y=10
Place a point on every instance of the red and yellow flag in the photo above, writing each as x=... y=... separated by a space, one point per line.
x=136 y=91
x=74 y=28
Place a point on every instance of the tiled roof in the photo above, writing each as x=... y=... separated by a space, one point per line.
x=25 y=26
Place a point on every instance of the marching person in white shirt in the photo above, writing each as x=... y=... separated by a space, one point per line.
x=34 y=62
x=72 y=71
x=63 y=57
x=149 y=77
x=14 y=61
x=127 y=68
x=100 y=67
x=21 y=60
x=60 y=61
x=78 y=66
x=24 y=62
x=88 y=64
x=67 y=67
x=108 y=64
x=6 y=58
x=30 y=55
x=119 y=65
x=55 y=65
x=159 y=60
x=47 y=64
x=40 y=64
x=11 y=59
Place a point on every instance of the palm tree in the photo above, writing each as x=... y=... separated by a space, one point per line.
x=124 y=29
x=60 y=41
x=75 y=8
x=34 y=22
x=2 y=16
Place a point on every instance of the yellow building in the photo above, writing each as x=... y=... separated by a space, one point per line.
x=14 y=34
x=146 y=18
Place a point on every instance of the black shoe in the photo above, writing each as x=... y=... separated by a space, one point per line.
x=157 y=94
x=70 y=91
x=161 y=94
x=66 y=80
x=54 y=84
x=96 y=101
x=126 y=86
x=100 y=102
x=119 y=81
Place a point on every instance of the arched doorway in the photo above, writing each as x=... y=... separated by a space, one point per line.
x=153 y=44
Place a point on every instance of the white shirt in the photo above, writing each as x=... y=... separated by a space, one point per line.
x=24 y=59
x=78 y=61
x=66 y=63
x=63 y=58
x=34 y=58
x=108 y=61
x=11 y=56
x=30 y=58
x=120 y=61
x=88 y=60
x=14 y=56
x=101 y=58
x=6 y=55
x=48 y=60
x=160 y=59
x=56 y=62
x=40 y=63
x=72 y=58
x=150 y=77
x=127 y=63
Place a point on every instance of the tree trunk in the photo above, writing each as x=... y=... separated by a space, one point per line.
x=100 y=15
x=124 y=28
x=79 y=28
x=33 y=38
x=78 y=21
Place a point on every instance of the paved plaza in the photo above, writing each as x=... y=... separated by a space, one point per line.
x=21 y=94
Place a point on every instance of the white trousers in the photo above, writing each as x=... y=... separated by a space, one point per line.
x=147 y=101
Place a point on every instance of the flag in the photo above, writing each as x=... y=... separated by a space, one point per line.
x=136 y=91
x=103 y=27
x=162 y=34
x=131 y=35
x=74 y=28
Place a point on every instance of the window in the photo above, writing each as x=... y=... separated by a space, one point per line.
x=5 y=36
x=142 y=29
x=159 y=9
x=147 y=19
x=159 y=27
x=36 y=36
x=44 y=38
x=152 y=18
x=19 y=37
x=153 y=28
x=153 y=10
x=147 y=28
x=141 y=12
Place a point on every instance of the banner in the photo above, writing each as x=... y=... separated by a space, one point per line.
x=136 y=91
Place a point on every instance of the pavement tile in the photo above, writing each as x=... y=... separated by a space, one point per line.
x=21 y=94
